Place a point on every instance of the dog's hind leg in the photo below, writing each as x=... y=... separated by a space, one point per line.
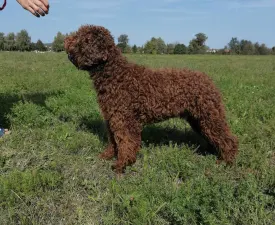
x=218 y=134
x=211 y=124
x=192 y=121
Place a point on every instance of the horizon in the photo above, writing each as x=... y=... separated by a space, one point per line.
x=172 y=20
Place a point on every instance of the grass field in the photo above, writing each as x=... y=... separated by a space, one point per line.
x=50 y=172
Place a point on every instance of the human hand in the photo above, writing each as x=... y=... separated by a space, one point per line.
x=36 y=7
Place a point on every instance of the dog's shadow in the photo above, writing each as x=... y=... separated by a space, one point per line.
x=155 y=135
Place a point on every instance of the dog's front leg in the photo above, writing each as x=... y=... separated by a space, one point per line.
x=127 y=136
x=111 y=149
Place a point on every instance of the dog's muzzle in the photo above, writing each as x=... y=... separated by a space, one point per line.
x=91 y=68
x=72 y=59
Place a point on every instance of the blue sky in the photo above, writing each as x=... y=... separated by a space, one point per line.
x=173 y=20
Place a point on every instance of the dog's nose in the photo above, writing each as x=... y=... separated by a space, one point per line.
x=70 y=57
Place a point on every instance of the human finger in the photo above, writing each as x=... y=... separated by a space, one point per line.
x=31 y=10
x=46 y=3
x=37 y=9
x=41 y=5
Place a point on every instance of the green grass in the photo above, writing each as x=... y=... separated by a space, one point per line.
x=50 y=172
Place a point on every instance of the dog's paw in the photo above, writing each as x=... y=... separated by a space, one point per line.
x=108 y=154
x=105 y=156
x=118 y=168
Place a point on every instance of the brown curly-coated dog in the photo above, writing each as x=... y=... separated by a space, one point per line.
x=131 y=96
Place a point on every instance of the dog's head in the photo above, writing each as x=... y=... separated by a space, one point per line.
x=89 y=47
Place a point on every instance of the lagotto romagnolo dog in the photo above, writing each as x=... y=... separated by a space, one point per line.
x=131 y=96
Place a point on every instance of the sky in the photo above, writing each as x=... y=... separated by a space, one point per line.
x=172 y=20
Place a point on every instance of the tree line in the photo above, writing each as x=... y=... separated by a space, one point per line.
x=19 y=42
x=22 y=42
x=195 y=46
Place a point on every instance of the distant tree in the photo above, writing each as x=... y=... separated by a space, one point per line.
x=150 y=47
x=123 y=42
x=123 y=38
x=134 y=49
x=121 y=47
x=246 y=47
x=170 y=48
x=10 y=44
x=273 y=50
x=201 y=39
x=155 y=46
x=234 y=45
x=257 y=48
x=32 y=46
x=58 y=43
x=23 y=41
x=140 y=49
x=2 y=41
x=197 y=45
x=161 y=46
x=128 y=49
x=40 y=46
x=180 y=49
x=193 y=47
x=263 y=50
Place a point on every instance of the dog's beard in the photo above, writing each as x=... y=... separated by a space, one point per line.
x=91 y=68
x=73 y=61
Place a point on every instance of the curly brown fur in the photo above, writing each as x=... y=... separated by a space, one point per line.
x=131 y=96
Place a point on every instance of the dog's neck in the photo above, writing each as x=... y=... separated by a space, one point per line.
x=97 y=69
x=112 y=67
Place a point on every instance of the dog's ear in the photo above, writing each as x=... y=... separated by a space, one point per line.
x=103 y=39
